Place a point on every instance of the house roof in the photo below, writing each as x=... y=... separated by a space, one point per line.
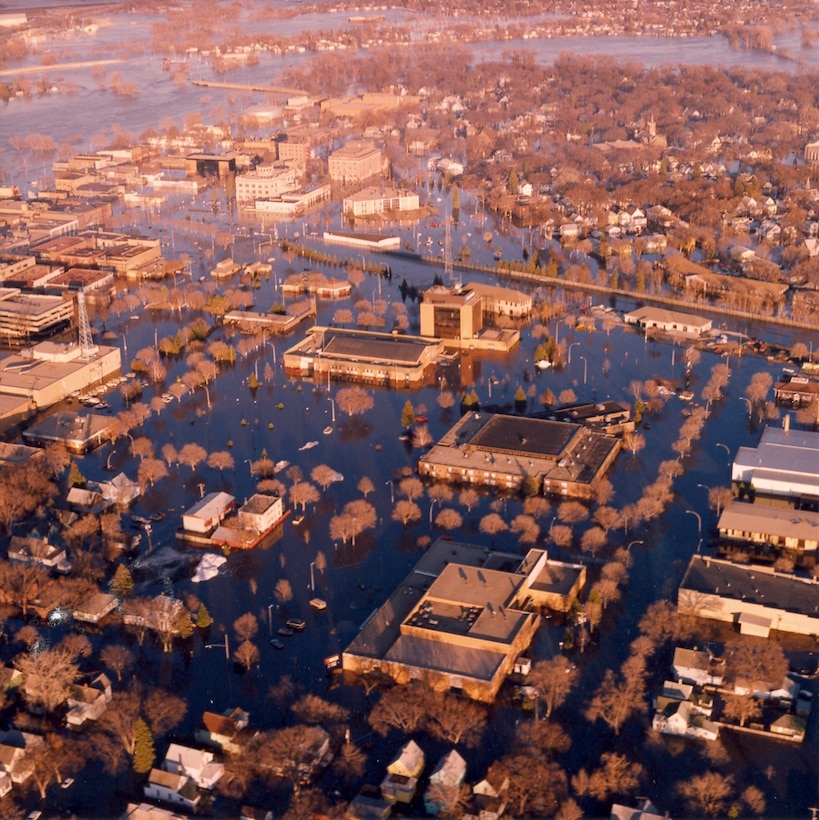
x=187 y=757
x=409 y=762
x=451 y=769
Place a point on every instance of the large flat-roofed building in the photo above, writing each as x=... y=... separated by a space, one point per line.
x=265 y=182
x=502 y=451
x=356 y=161
x=363 y=356
x=784 y=527
x=50 y=371
x=78 y=433
x=659 y=318
x=785 y=464
x=462 y=616
x=378 y=200
x=749 y=596
x=32 y=315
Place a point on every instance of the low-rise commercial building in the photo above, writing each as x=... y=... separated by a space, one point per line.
x=363 y=356
x=497 y=450
x=204 y=516
x=659 y=318
x=764 y=524
x=785 y=464
x=379 y=200
x=51 y=371
x=461 y=617
x=755 y=599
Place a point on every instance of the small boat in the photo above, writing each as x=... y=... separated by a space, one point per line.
x=280 y=465
x=543 y=364
x=421 y=419
x=298 y=519
x=308 y=445
x=318 y=603
x=328 y=429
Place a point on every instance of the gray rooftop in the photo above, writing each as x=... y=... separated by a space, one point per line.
x=752 y=584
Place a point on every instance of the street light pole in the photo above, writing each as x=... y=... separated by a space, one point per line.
x=585 y=368
x=573 y=344
x=431 y=506
x=748 y=402
x=392 y=492
x=699 y=527
x=312 y=576
x=632 y=543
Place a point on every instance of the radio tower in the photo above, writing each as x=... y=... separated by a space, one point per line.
x=447 y=251
x=87 y=347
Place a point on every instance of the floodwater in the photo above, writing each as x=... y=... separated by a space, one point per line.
x=283 y=415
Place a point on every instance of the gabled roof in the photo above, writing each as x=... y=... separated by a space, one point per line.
x=450 y=771
x=410 y=761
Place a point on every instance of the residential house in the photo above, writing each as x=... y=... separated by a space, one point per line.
x=86 y=500
x=88 y=702
x=94 y=608
x=13 y=748
x=791 y=727
x=10 y=678
x=196 y=764
x=120 y=490
x=145 y=811
x=206 y=514
x=683 y=718
x=228 y=732
x=696 y=667
x=28 y=550
x=489 y=795
x=5 y=784
x=365 y=806
x=401 y=780
x=311 y=755
x=449 y=774
x=645 y=811
x=174 y=788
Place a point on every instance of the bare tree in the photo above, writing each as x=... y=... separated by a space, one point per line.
x=448 y=519
x=400 y=707
x=406 y=512
x=220 y=460
x=303 y=493
x=492 y=524
x=615 y=701
x=118 y=658
x=247 y=655
x=553 y=680
x=572 y=512
x=708 y=793
x=192 y=454
x=354 y=401
x=49 y=676
x=323 y=475
x=411 y=487
x=741 y=708
x=246 y=626
x=719 y=498
x=365 y=486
